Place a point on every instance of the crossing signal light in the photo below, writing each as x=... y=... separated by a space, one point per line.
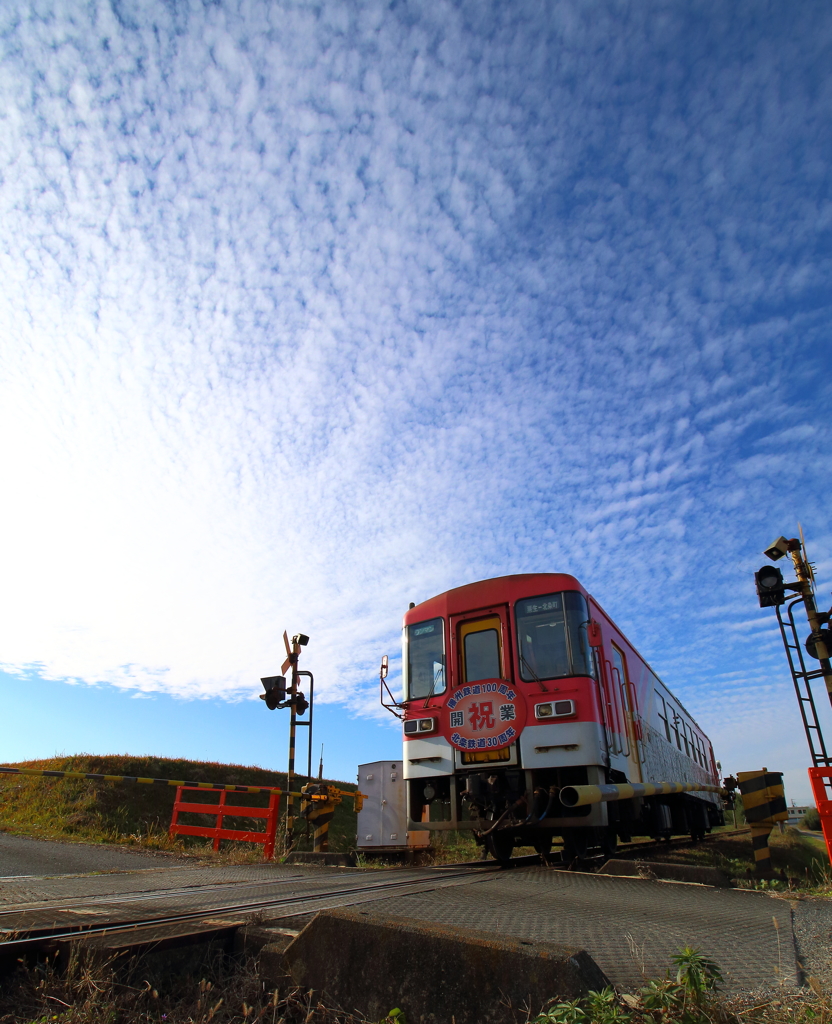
x=275 y=687
x=301 y=703
x=770 y=587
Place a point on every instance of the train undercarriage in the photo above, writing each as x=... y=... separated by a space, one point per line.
x=510 y=807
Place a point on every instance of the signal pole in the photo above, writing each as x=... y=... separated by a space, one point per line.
x=279 y=695
x=771 y=591
x=805 y=578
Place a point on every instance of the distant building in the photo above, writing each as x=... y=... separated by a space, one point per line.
x=796 y=813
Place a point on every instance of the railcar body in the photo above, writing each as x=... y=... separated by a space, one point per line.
x=520 y=688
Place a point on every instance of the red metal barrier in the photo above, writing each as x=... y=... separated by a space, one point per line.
x=821 y=779
x=224 y=810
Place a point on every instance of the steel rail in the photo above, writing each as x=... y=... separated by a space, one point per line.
x=63 y=902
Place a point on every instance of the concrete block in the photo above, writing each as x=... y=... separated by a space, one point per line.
x=271 y=968
x=368 y=963
x=667 y=872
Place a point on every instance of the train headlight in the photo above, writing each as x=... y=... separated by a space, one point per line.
x=557 y=709
x=417 y=725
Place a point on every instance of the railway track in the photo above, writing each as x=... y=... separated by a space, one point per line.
x=22 y=937
x=18 y=936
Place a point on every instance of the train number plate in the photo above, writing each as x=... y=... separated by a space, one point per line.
x=476 y=756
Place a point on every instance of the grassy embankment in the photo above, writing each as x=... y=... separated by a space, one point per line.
x=122 y=812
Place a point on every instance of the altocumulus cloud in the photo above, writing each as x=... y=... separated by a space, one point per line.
x=312 y=310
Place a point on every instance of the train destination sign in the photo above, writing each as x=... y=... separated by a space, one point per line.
x=485 y=715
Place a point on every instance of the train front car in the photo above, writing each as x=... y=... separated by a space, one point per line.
x=519 y=692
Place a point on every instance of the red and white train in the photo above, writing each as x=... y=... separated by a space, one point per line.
x=528 y=715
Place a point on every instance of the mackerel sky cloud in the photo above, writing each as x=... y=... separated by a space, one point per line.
x=309 y=311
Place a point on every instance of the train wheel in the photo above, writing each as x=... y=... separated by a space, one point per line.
x=574 y=844
x=543 y=846
x=609 y=842
x=500 y=845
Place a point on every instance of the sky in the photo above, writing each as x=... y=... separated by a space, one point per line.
x=312 y=310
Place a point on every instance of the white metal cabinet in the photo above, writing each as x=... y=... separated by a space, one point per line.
x=382 y=821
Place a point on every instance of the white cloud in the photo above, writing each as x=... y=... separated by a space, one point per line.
x=309 y=312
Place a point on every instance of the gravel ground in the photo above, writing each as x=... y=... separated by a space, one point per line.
x=20 y=855
x=812 y=923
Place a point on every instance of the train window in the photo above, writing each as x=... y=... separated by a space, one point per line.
x=662 y=708
x=551 y=634
x=685 y=738
x=676 y=720
x=577 y=621
x=424 y=659
x=481 y=649
x=482 y=655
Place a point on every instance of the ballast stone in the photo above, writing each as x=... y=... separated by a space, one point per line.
x=369 y=963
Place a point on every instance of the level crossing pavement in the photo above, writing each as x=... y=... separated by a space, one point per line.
x=23 y=855
x=630 y=926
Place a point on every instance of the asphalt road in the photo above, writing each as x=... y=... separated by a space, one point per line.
x=23 y=856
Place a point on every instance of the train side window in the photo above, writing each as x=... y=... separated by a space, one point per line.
x=685 y=732
x=676 y=720
x=662 y=708
x=620 y=664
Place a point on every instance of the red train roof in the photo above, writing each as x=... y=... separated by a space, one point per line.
x=487 y=593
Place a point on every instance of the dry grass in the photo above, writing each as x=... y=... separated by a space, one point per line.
x=104 y=991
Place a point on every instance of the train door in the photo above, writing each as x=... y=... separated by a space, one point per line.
x=481 y=642
x=482 y=651
x=624 y=691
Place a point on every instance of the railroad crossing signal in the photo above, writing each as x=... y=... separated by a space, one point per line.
x=279 y=694
x=771 y=591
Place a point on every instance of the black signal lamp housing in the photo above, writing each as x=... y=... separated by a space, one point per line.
x=771 y=590
x=275 y=687
x=301 y=639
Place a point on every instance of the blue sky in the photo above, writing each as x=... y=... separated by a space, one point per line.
x=309 y=311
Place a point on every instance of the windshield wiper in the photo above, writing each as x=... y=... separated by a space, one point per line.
x=436 y=675
x=534 y=675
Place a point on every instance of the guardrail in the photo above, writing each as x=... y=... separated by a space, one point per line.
x=224 y=810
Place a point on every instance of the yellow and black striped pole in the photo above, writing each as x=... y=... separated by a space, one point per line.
x=318 y=807
x=764 y=804
x=582 y=796
x=292 y=655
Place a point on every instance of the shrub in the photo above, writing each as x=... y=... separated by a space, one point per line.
x=811 y=820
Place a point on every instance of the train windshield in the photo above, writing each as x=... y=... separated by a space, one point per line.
x=424 y=659
x=552 y=636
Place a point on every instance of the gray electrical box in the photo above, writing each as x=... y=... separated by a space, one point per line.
x=382 y=821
